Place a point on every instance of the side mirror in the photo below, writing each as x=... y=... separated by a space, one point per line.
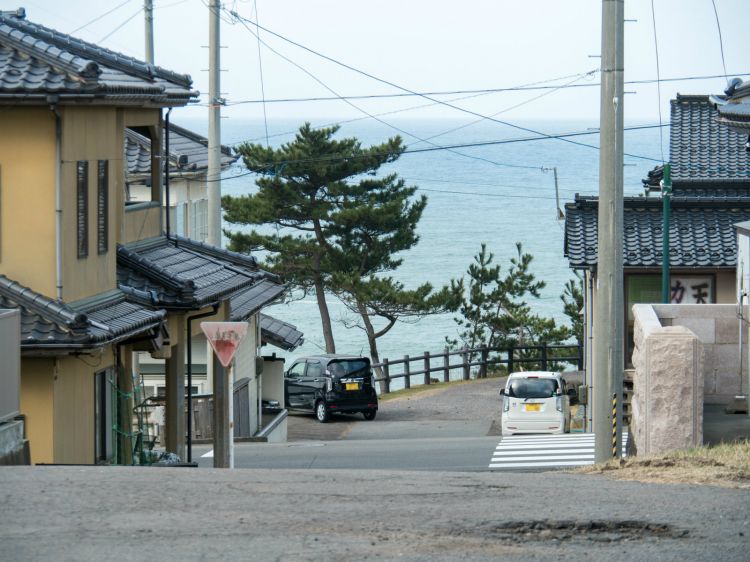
x=502 y=392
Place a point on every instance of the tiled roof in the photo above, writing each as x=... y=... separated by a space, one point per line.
x=280 y=333
x=49 y=325
x=701 y=232
x=701 y=149
x=249 y=301
x=188 y=152
x=36 y=61
x=734 y=107
x=179 y=273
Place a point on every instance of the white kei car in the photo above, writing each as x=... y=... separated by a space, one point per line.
x=535 y=402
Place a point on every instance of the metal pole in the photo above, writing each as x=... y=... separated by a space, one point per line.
x=214 y=128
x=165 y=162
x=221 y=420
x=666 y=197
x=148 y=13
x=230 y=388
x=609 y=307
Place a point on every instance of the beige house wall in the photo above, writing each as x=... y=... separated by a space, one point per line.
x=27 y=197
x=74 y=407
x=37 y=404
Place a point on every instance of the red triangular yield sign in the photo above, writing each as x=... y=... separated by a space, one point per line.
x=225 y=338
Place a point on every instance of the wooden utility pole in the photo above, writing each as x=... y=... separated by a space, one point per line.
x=214 y=125
x=609 y=307
x=148 y=13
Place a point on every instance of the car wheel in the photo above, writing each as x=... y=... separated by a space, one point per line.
x=321 y=412
x=369 y=414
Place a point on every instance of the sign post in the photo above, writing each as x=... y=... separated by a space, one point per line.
x=225 y=338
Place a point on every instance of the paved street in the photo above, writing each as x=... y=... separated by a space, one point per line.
x=90 y=514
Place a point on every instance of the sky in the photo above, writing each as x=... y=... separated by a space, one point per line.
x=423 y=46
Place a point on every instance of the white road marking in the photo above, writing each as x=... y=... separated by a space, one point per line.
x=539 y=451
x=208 y=455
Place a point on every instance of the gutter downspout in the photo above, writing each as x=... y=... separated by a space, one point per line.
x=58 y=197
x=215 y=309
x=166 y=167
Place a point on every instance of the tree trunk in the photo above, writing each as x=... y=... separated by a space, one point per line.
x=325 y=318
x=372 y=341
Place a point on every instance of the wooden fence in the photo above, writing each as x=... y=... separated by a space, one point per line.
x=533 y=356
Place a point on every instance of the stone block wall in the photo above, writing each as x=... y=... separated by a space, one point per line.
x=718 y=328
x=668 y=385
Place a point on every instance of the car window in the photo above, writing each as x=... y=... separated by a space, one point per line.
x=346 y=367
x=532 y=388
x=314 y=370
x=296 y=371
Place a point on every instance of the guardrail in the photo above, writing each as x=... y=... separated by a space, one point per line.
x=541 y=356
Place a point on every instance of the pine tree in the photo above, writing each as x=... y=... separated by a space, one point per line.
x=325 y=205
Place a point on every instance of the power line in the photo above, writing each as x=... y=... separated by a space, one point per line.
x=108 y=35
x=260 y=69
x=392 y=84
x=658 y=84
x=721 y=41
x=273 y=165
x=348 y=102
x=97 y=18
x=394 y=111
x=482 y=91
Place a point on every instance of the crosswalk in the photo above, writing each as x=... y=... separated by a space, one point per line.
x=546 y=451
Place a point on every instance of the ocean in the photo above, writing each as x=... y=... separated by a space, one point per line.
x=498 y=194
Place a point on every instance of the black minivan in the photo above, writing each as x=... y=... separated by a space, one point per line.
x=329 y=384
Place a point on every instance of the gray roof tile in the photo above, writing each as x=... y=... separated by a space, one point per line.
x=179 y=273
x=701 y=232
x=36 y=61
x=701 y=149
x=182 y=143
x=50 y=325
x=280 y=333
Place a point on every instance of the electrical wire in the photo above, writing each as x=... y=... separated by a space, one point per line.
x=658 y=84
x=260 y=69
x=97 y=18
x=394 y=111
x=393 y=85
x=484 y=90
x=370 y=115
x=721 y=41
x=269 y=166
x=108 y=35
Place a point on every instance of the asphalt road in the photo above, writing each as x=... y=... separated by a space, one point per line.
x=87 y=514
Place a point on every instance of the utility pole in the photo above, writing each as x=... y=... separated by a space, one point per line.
x=148 y=13
x=214 y=125
x=666 y=196
x=608 y=361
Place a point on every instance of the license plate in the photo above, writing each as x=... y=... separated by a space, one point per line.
x=352 y=386
x=532 y=407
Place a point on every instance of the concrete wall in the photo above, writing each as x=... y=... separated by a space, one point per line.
x=10 y=365
x=667 y=384
x=718 y=329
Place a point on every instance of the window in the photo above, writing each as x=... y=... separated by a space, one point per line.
x=103 y=425
x=82 y=207
x=314 y=369
x=297 y=370
x=533 y=388
x=102 y=206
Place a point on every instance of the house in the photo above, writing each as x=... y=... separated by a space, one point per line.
x=188 y=168
x=94 y=276
x=710 y=193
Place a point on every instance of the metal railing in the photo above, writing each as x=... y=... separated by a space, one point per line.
x=443 y=363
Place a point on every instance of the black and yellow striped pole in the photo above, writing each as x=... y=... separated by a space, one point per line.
x=614 y=425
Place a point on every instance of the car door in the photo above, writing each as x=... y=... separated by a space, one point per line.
x=294 y=385
x=313 y=380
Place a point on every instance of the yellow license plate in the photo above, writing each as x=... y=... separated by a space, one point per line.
x=352 y=386
x=532 y=407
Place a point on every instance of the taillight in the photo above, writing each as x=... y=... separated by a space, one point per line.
x=559 y=404
x=329 y=384
x=506 y=403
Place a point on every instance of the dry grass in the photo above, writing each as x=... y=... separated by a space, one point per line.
x=726 y=465
x=425 y=389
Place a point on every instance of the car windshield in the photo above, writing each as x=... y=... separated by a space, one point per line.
x=347 y=367
x=532 y=388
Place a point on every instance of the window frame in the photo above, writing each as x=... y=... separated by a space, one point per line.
x=82 y=208
x=102 y=206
